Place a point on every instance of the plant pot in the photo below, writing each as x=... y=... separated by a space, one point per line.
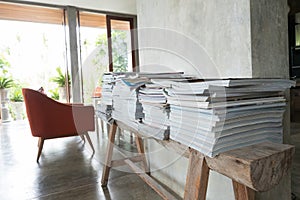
x=62 y=91
x=4 y=99
x=4 y=95
x=18 y=110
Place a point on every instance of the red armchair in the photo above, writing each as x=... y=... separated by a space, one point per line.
x=50 y=119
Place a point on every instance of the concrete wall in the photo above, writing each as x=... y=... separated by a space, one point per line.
x=228 y=38
x=269 y=28
x=120 y=6
x=218 y=31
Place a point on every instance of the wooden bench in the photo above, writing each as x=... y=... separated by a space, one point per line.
x=254 y=168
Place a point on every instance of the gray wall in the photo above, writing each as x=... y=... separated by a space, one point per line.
x=212 y=38
x=269 y=28
x=220 y=29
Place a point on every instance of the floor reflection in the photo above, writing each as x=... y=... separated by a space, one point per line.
x=67 y=169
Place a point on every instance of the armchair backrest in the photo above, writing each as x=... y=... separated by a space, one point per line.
x=50 y=119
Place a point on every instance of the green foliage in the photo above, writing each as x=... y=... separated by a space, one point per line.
x=16 y=95
x=4 y=65
x=54 y=94
x=60 y=79
x=6 y=82
x=119 y=49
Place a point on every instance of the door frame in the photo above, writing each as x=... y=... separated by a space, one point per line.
x=134 y=39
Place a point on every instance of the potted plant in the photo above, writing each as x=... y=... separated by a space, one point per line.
x=61 y=80
x=17 y=105
x=5 y=83
x=54 y=94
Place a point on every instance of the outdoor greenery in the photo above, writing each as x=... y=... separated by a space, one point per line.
x=95 y=57
x=6 y=82
x=4 y=65
x=60 y=78
x=16 y=94
x=54 y=94
x=119 y=49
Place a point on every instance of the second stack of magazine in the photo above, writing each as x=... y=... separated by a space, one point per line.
x=214 y=116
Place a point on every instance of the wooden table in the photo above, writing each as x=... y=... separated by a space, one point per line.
x=254 y=168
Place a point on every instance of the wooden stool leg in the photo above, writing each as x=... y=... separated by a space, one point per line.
x=141 y=150
x=242 y=192
x=109 y=152
x=197 y=177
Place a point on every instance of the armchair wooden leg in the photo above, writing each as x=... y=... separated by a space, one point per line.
x=90 y=141
x=41 y=144
x=82 y=137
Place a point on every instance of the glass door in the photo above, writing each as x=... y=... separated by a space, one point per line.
x=121 y=44
x=93 y=51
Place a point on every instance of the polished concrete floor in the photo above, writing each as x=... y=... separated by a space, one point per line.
x=67 y=169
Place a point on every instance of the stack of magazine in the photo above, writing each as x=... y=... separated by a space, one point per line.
x=126 y=106
x=155 y=122
x=211 y=116
x=156 y=112
x=214 y=116
x=103 y=110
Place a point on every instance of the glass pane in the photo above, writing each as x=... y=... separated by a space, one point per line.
x=33 y=51
x=121 y=46
x=297 y=29
x=297 y=18
x=297 y=35
x=94 y=52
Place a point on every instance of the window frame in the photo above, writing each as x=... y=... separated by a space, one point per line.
x=74 y=53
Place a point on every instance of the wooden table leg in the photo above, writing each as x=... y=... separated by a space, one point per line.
x=197 y=177
x=96 y=126
x=102 y=126
x=242 y=192
x=109 y=153
x=108 y=128
x=141 y=150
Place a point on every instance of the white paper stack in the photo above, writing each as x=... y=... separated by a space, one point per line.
x=156 y=112
x=108 y=82
x=104 y=112
x=214 y=116
x=126 y=106
x=104 y=109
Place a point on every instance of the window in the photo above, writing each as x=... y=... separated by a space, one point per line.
x=121 y=44
x=106 y=45
x=33 y=43
x=48 y=47
x=297 y=29
x=94 y=51
x=294 y=44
